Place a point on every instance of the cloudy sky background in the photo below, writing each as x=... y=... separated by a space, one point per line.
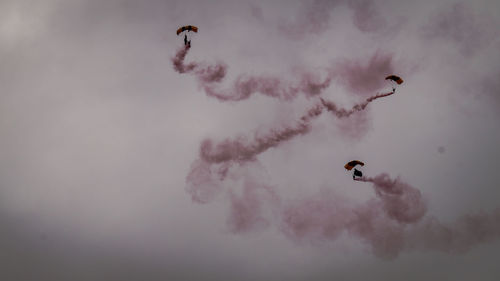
x=98 y=133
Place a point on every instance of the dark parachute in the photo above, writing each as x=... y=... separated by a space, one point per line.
x=395 y=78
x=352 y=164
x=187 y=28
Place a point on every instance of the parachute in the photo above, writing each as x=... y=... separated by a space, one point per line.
x=352 y=164
x=187 y=28
x=395 y=78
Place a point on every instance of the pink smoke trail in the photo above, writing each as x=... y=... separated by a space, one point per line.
x=342 y=112
x=241 y=150
x=203 y=183
x=327 y=215
x=207 y=173
x=391 y=223
x=458 y=237
x=205 y=73
x=274 y=87
x=401 y=201
x=248 y=211
x=211 y=168
x=358 y=77
x=363 y=78
x=245 y=86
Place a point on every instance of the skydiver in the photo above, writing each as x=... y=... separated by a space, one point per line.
x=356 y=173
x=185 y=39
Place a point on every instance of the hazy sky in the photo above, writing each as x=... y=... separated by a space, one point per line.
x=102 y=141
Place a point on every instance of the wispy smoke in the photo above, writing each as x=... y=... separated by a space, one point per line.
x=241 y=149
x=342 y=112
x=459 y=25
x=364 y=78
x=458 y=237
x=380 y=221
x=245 y=86
x=215 y=160
x=314 y=17
x=400 y=201
x=207 y=174
x=394 y=220
x=252 y=210
x=204 y=73
x=358 y=77
x=365 y=15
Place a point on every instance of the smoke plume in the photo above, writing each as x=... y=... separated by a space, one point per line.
x=315 y=16
x=241 y=149
x=245 y=86
x=358 y=77
x=401 y=201
x=459 y=25
x=393 y=221
x=343 y=113
x=362 y=78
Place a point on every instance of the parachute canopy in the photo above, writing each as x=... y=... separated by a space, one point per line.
x=187 y=28
x=352 y=164
x=394 y=78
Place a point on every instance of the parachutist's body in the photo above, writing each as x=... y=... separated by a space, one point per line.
x=351 y=164
x=394 y=79
x=357 y=173
x=186 y=29
x=186 y=41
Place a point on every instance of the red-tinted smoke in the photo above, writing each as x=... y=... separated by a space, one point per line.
x=248 y=210
x=365 y=15
x=459 y=25
x=457 y=237
x=342 y=112
x=391 y=222
x=314 y=17
x=245 y=86
x=325 y=216
x=241 y=149
x=401 y=201
x=362 y=78
x=204 y=73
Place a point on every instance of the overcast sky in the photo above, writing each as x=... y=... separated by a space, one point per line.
x=102 y=140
